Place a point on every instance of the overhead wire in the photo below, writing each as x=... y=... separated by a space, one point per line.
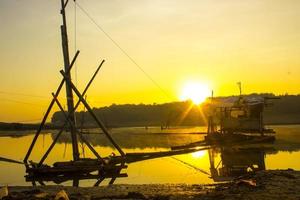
x=122 y=50
x=21 y=102
x=22 y=94
x=26 y=103
x=26 y=95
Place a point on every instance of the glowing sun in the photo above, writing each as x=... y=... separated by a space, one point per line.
x=197 y=92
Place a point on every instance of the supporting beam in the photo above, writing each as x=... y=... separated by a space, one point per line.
x=66 y=121
x=99 y=123
x=67 y=118
x=48 y=112
x=65 y=4
x=91 y=147
x=99 y=181
x=112 y=180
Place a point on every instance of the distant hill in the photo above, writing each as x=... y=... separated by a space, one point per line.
x=168 y=114
x=285 y=110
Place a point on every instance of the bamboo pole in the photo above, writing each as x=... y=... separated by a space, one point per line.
x=69 y=93
x=100 y=124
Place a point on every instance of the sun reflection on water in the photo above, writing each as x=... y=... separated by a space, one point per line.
x=199 y=154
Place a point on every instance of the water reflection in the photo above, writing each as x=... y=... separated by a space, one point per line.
x=191 y=168
x=97 y=177
x=234 y=162
x=287 y=137
x=140 y=137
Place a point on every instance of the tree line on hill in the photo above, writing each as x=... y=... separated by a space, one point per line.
x=285 y=110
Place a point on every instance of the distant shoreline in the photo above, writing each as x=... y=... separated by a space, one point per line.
x=284 y=111
x=29 y=127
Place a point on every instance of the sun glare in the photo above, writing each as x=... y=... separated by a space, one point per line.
x=197 y=92
x=198 y=154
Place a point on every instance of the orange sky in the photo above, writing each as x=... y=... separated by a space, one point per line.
x=214 y=42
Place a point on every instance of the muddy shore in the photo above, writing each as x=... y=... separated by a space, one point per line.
x=271 y=184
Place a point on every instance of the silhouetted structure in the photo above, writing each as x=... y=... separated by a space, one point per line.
x=81 y=167
x=239 y=121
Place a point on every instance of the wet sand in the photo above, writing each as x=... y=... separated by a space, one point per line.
x=271 y=184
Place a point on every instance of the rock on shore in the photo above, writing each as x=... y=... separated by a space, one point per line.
x=266 y=185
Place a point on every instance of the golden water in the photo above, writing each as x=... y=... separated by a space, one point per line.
x=285 y=154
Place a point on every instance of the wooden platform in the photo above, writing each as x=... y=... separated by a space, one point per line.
x=219 y=139
x=83 y=166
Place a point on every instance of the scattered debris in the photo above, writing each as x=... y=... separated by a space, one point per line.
x=61 y=195
x=270 y=184
x=250 y=182
x=3 y=192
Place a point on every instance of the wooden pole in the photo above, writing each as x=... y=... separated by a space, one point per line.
x=48 y=112
x=261 y=123
x=100 y=124
x=69 y=93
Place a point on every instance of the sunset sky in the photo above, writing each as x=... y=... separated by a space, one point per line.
x=217 y=43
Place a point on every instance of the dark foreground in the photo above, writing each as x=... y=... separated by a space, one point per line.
x=277 y=184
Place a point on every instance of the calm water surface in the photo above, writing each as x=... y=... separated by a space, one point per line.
x=199 y=167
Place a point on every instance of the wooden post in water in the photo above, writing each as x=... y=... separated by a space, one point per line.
x=69 y=93
x=261 y=123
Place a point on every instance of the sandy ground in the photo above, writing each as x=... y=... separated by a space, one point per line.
x=268 y=185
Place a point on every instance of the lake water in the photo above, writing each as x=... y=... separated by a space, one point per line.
x=200 y=167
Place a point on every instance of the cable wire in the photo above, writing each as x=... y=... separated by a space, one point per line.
x=22 y=94
x=123 y=51
x=21 y=102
